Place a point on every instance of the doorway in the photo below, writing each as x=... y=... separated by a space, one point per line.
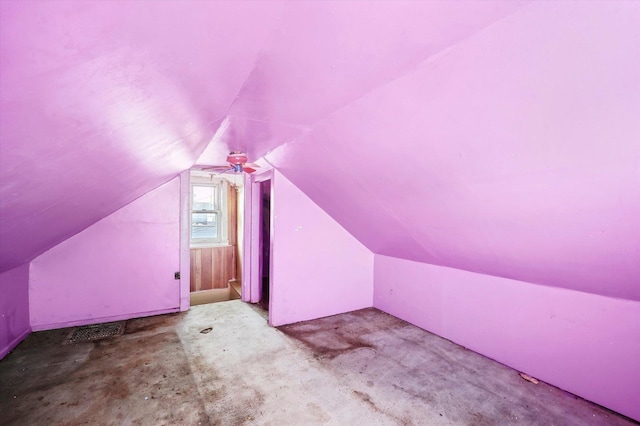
x=265 y=243
x=252 y=278
x=214 y=252
x=259 y=239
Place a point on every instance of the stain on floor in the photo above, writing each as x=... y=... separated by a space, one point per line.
x=406 y=364
x=360 y=368
x=128 y=379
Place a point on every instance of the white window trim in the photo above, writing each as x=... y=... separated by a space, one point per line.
x=223 y=216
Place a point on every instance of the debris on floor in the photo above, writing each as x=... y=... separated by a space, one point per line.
x=528 y=378
x=359 y=368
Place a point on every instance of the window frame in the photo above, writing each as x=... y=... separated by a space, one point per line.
x=222 y=212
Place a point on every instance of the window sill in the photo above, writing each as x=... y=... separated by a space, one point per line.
x=210 y=245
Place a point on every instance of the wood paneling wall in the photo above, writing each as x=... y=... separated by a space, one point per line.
x=232 y=208
x=212 y=267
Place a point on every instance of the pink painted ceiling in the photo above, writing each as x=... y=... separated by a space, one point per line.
x=515 y=153
x=103 y=101
x=496 y=137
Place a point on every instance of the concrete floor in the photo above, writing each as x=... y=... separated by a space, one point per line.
x=361 y=368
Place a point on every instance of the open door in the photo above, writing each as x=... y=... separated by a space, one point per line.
x=259 y=238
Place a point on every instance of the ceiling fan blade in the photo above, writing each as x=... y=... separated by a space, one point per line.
x=218 y=173
x=217 y=168
x=248 y=169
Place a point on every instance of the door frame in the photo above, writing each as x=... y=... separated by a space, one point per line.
x=252 y=280
x=185 y=239
x=185 y=242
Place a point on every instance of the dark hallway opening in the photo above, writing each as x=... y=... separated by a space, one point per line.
x=265 y=241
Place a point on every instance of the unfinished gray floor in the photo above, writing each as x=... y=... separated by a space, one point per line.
x=361 y=368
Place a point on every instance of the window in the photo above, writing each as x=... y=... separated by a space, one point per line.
x=208 y=212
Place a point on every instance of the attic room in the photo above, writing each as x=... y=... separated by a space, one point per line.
x=452 y=191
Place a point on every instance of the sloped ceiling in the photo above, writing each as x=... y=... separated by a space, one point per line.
x=103 y=101
x=496 y=137
x=515 y=153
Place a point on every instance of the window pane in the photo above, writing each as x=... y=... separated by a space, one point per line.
x=204 y=225
x=205 y=198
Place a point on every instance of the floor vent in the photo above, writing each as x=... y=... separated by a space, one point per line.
x=88 y=333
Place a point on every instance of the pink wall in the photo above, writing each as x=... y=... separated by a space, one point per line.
x=584 y=343
x=121 y=267
x=14 y=308
x=319 y=269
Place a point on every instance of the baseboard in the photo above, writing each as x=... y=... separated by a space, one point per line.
x=15 y=342
x=86 y=321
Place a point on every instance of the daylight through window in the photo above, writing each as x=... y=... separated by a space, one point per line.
x=207 y=213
